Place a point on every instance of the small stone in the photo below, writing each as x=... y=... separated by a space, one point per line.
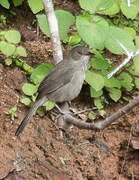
x=137 y=127
x=135 y=144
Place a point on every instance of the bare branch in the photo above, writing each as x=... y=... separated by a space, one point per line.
x=130 y=55
x=118 y=114
x=68 y=119
x=126 y=60
x=128 y=3
x=136 y=53
x=54 y=33
x=123 y=47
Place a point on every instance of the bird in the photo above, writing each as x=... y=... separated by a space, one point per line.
x=62 y=84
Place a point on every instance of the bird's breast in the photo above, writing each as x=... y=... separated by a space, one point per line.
x=73 y=88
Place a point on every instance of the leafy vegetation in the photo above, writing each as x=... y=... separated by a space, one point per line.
x=35 y=5
x=30 y=90
x=65 y=19
x=12 y=112
x=9 y=40
x=101 y=24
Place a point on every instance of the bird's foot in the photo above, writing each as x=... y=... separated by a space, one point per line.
x=63 y=111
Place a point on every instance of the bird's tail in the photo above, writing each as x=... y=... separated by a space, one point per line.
x=30 y=113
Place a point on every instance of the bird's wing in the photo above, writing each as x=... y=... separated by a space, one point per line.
x=58 y=77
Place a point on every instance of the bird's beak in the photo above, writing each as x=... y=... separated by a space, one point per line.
x=88 y=53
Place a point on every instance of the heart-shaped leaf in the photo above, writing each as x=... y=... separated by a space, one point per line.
x=12 y=36
x=39 y=72
x=93 y=30
x=7 y=48
x=130 y=11
x=95 y=80
x=35 y=5
x=117 y=35
x=65 y=19
x=29 y=89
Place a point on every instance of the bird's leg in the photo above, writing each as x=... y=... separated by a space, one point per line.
x=60 y=110
x=65 y=108
x=69 y=103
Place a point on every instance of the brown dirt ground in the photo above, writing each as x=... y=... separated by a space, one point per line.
x=40 y=153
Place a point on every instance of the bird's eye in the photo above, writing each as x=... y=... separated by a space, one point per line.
x=79 y=52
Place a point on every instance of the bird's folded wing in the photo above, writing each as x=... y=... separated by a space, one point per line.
x=58 y=77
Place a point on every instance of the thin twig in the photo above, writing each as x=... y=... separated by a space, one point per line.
x=130 y=55
x=128 y=3
x=100 y=124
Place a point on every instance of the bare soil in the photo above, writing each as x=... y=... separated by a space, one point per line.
x=41 y=153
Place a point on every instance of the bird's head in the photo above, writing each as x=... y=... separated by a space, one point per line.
x=79 y=53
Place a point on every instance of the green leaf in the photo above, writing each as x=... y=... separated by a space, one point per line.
x=43 y=24
x=49 y=105
x=126 y=81
x=26 y=67
x=95 y=93
x=93 y=30
x=89 y=5
x=122 y=36
x=91 y=115
x=132 y=71
x=26 y=101
x=100 y=63
x=136 y=63
x=65 y=19
x=98 y=103
x=12 y=112
x=102 y=112
x=115 y=94
x=95 y=5
x=35 y=5
x=74 y=39
x=6 y=48
x=112 y=82
x=137 y=83
x=33 y=98
x=95 y=80
x=104 y=4
x=40 y=112
x=20 y=51
x=131 y=32
x=8 y=61
x=40 y=71
x=3 y=19
x=114 y=9
x=17 y=2
x=132 y=11
x=2 y=33
x=12 y=36
x=29 y=89
x=137 y=42
x=5 y=4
